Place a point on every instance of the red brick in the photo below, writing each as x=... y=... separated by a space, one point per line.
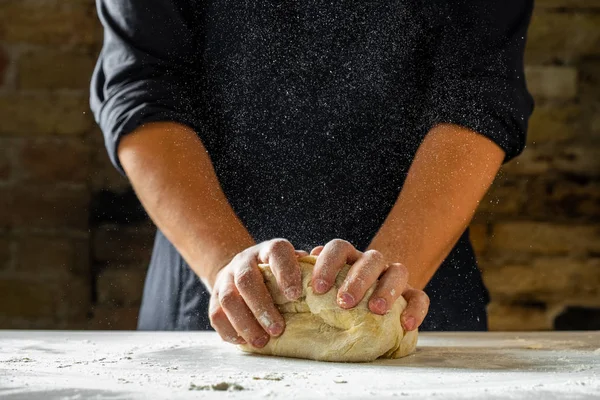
x=30 y=299
x=574 y=159
x=590 y=101
x=51 y=69
x=51 y=22
x=569 y=4
x=533 y=161
x=44 y=207
x=564 y=37
x=75 y=299
x=515 y=317
x=5 y=252
x=4 y=61
x=553 y=123
x=106 y=318
x=479 y=237
x=6 y=151
x=545 y=238
x=579 y=199
x=589 y=82
x=13 y=322
x=44 y=113
x=564 y=199
x=54 y=160
x=579 y=160
x=594 y=125
x=121 y=286
x=550 y=82
x=505 y=197
x=103 y=174
x=565 y=280
x=123 y=243
x=53 y=256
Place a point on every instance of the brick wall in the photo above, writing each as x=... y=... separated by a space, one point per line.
x=74 y=242
x=537 y=233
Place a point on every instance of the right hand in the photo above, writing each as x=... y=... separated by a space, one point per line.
x=241 y=309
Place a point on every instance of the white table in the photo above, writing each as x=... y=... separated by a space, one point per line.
x=131 y=365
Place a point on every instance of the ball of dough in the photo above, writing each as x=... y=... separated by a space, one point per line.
x=318 y=329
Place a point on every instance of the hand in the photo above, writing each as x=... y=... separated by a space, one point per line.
x=366 y=269
x=241 y=309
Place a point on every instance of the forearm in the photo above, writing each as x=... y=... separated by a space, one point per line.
x=451 y=172
x=175 y=181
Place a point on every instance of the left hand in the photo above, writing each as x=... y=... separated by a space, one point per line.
x=367 y=268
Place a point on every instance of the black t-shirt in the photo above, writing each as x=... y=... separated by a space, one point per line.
x=311 y=112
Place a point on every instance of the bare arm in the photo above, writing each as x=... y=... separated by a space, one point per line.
x=174 y=179
x=452 y=170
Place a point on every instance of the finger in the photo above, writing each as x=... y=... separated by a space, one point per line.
x=221 y=324
x=281 y=256
x=316 y=251
x=331 y=260
x=251 y=286
x=301 y=253
x=361 y=276
x=416 y=310
x=390 y=287
x=239 y=315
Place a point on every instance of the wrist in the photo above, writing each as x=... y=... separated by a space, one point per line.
x=213 y=263
x=217 y=266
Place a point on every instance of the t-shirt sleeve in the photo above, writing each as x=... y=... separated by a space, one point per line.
x=145 y=70
x=477 y=69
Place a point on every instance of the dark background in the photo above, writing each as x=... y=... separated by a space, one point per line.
x=74 y=242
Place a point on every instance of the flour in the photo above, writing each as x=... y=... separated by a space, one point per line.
x=221 y=387
x=269 y=377
x=192 y=365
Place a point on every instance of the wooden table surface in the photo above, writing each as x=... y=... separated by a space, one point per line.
x=131 y=365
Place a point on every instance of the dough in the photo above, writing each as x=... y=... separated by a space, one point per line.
x=318 y=329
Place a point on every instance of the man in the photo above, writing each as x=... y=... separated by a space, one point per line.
x=252 y=131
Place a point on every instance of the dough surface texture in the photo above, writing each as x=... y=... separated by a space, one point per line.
x=318 y=329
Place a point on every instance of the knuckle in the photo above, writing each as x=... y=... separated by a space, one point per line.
x=340 y=244
x=356 y=286
x=398 y=269
x=228 y=298
x=243 y=277
x=217 y=320
x=238 y=258
x=374 y=255
x=281 y=245
x=420 y=298
x=215 y=313
x=426 y=299
x=215 y=327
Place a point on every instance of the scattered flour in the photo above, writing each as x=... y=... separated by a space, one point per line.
x=221 y=387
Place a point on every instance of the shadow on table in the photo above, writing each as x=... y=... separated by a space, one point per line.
x=28 y=394
x=442 y=357
x=492 y=358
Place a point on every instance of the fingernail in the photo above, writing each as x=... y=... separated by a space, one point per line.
x=292 y=293
x=346 y=300
x=275 y=329
x=320 y=286
x=409 y=323
x=380 y=305
x=260 y=342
